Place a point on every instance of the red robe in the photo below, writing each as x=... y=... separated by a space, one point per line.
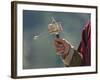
x=85 y=45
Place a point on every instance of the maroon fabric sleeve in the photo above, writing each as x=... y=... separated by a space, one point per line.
x=85 y=45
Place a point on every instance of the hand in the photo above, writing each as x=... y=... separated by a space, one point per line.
x=62 y=47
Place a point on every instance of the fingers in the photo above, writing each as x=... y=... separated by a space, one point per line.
x=61 y=52
x=61 y=46
x=60 y=49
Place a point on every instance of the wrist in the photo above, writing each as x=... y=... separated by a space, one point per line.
x=66 y=53
x=67 y=58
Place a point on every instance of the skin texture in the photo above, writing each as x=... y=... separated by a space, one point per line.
x=62 y=47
